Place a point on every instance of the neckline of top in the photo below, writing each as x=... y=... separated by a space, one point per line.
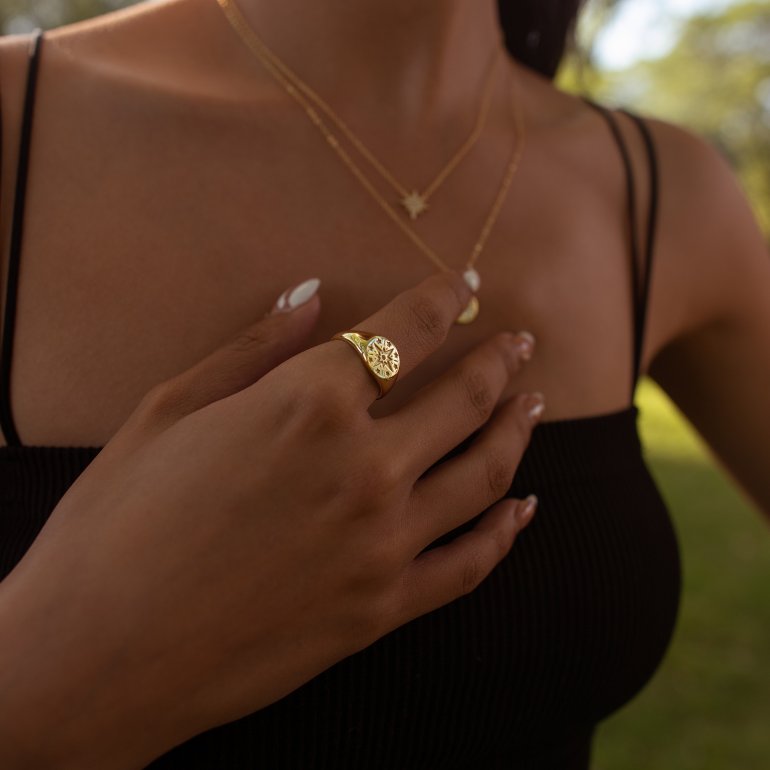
x=546 y=426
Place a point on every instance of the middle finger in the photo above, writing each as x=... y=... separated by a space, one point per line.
x=446 y=411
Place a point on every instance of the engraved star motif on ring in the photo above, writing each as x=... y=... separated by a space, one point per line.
x=383 y=357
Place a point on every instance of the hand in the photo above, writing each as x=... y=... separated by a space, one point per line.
x=249 y=526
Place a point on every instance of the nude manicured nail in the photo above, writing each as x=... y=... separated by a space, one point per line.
x=525 y=344
x=535 y=406
x=527 y=511
x=295 y=296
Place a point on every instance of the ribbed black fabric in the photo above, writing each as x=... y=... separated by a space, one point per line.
x=516 y=675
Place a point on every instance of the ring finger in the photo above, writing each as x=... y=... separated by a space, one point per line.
x=458 y=402
x=462 y=487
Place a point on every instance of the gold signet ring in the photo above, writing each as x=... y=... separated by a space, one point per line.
x=379 y=354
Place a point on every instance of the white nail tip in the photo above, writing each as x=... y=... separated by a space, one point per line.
x=529 y=336
x=473 y=279
x=299 y=295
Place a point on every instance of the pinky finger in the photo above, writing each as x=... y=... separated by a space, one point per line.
x=441 y=575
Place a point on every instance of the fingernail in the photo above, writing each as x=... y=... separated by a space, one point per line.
x=524 y=342
x=535 y=406
x=527 y=511
x=472 y=279
x=295 y=296
x=459 y=284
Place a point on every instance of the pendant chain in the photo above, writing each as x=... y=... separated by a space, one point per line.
x=413 y=201
x=253 y=42
x=402 y=190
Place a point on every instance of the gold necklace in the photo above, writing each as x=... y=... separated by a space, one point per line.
x=413 y=201
x=470 y=313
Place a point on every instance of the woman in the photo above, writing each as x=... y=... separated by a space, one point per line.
x=211 y=163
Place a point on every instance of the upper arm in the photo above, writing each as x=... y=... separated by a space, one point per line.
x=717 y=367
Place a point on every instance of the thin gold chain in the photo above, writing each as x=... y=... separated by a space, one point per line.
x=259 y=46
x=248 y=36
x=475 y=134
x=467 y=145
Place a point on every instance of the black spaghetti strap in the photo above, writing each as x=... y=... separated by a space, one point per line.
x=649 y=249
x=17 y=223
x=640 y=292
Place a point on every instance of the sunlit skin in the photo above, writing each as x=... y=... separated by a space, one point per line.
x=175 y=191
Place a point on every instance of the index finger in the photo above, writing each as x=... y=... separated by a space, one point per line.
x=417 y=321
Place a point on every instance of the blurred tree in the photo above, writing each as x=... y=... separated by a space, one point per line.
x=716 y=81
x=25 y=15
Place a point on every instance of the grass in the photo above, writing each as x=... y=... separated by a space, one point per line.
x=708 y=706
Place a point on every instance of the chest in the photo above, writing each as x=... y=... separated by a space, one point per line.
x=156 y=229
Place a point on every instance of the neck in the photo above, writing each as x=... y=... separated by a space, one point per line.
x=409 y=63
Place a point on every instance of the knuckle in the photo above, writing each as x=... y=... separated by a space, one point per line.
x=330 y=409
x=250 y=338
x=374 y=605
x=523 y=419
x=163 y=400
x=428 y=321
x=473 y=573
x=371 y=621
x=324 y=392
x=504 y=351
x=483 y=559
x=387 y=611
x=325 y=410
x=371 y=482
x=502 y=539
x=499 y=473
x=452 y=284
x=383 y=556
x=358 y=625
x=478 y=392
x=384 y=477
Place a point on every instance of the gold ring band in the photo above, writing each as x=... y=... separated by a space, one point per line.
x=379 y=354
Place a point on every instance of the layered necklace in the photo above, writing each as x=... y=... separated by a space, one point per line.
x=413 y=203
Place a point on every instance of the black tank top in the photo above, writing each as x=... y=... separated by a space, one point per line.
x=516 y=675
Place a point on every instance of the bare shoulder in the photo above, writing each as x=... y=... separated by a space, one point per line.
x=115 y=45
x=717 y=370
x=700 y=184
x=109 y=33
x=565 y=128
x=125 y=65
x=121 y=69
x=88 y=49
x=106 y=35
x=709 y=256
x=166 y=46
x=716 y=255
x=710 y=260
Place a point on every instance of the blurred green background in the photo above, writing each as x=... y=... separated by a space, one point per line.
x=704 y=64
x=708 y=707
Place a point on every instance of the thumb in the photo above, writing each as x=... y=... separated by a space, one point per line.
x=243 y=359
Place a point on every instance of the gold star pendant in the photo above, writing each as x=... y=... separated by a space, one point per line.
x=415 y=204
